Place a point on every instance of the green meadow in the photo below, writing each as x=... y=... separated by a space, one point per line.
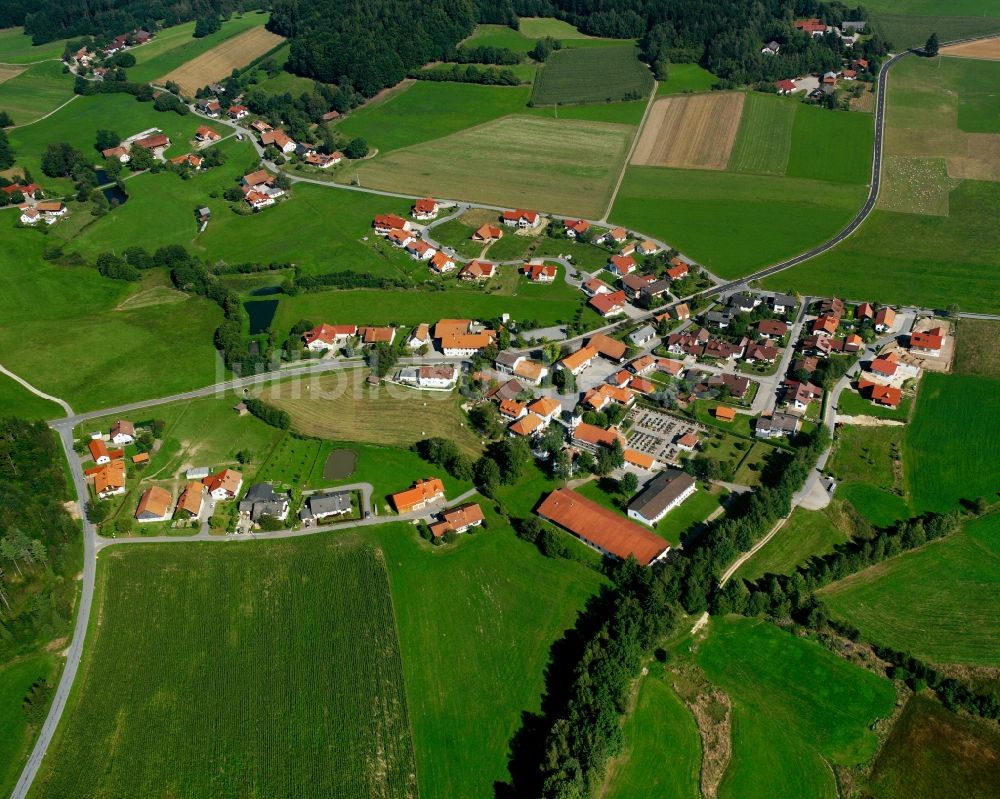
x=16 y=400
x=16 y=680
x=16 y=48
x=764 y=139
x=908 y=23
x=831 y=145
x=686 y=78
x=797 y=709
x=592 y=75
x=862 y=462
x=37 y=91
x=956 y=580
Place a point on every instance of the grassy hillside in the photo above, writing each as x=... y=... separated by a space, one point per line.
x=908 y=23
x=18 y=401
x=957 y=580
x=37 y=91
x=16 y=681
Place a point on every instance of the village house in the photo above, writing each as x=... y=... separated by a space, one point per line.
x=154 y=505
x=441 y=263
x=687 y=442
x=825 y=326
x=442 y=376
x=647 y=248
x=325 y=337
x=98 y=451
x=763 y=352
x=224 y=485
x=318 y=507
x=156 y=143
x=206 y=134
x=546 y=409
x=777 y=425
x=426 y=208
x=640 y=460
x=831 y=306
x=575 y=227
x=400 y=238
x=595 y=286
x=419 y=250
x=30 y=191
x=420 y=337
x=122 y=433
x=238 y=112
x=782 y=304
x=724 y=350
x=191 y=500
x=772 y=328
x=928 y=342
x=885 y=365
x=377 y=335
x=538 y=272
x=279 y=139
x=387 y=222
x=109 y=479
x=324 y=160
x=602 y=528
x=477 y=270
x=512 y=409
x=487 y=234
x=331 y=116
x=820 y=345
x=658 y=289
x=608 y=305
x=260 y=126
x=261 y=182
x=678 y=269
x=643 y=335
x=887 y=396
x=458 y=520
x=599 y=397
x=771 y=48
x=663 y=493
x=423 y=493
x=621 y=265
x=633 y=284
x=462 y=338
x=576 y=362
x=812 y=26
x=262 y=500
x=520 y=218
x=798 y=395
x=190 y=159
x=527 y=426
x=616 y=235
x=209 y=107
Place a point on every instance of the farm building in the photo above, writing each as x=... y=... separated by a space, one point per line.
x=664 y=492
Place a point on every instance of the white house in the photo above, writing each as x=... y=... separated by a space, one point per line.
x=662 y=494
x=122 y=433
x=225 y=484
x=444 y=376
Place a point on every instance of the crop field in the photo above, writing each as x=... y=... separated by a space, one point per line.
x=988 y=49
x=532 y=29
x=797 y=708
x=222 y=59
x=16 y=680
x=476 y=623
x=18 y=401
x=342 y=407
x=172 y=47
x=976 y=352
x=32 y=93
x=290 y=669
x=686 y=78
x=714 y=216
x=908 y=23
x=424 y=111
x=694 y=132
x=592 y=75
x=805 y=534
x=662 y=750
x=955 y=430
x=956 y=579
x=568 y=166
x=16 y=48
x=930 y=747
x=764 y=139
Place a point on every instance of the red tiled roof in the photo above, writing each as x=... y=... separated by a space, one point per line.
x=422 y=491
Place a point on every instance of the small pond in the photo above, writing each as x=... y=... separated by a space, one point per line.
x=115 y=195
x=102 y=177
x=340 y=464
x=261 y=313
x=264 y=291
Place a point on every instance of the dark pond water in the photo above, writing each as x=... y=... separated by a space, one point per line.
x=264 y=291
x=261 y=313
x=340 y=464
x=102 y=177
x=115 y=195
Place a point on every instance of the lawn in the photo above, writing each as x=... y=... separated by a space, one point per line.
x=950 y=444
x=16 y=680
x=714 y=216
x=908 y=23
x=976 y=352
x=851 y=403
x=797 y=708
x=566 y=166
x=499 y=36
x=806 y=533
x=662 y=749
x=930 y=747
x=834 y=146
x=625 y=113
x=18 y=401
x=340 y=406
x=35 y=92
x=476 y=622
x=864 y=461
x=686 y=78
x=956 y=580
x=589 y=75
x=426 y=111
x=764 y=139
x=16 y=48
x=286 y=660
x=175 y=46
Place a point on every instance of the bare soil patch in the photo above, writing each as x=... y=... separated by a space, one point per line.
x=982 y=158
x=695 y=132
x=7 y=72
x=222 y=59
x=987 y=49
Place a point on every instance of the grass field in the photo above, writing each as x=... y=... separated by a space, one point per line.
x=16 y=680
x=627 y=113
x=16 y=48
x=851 y=403
x=863 y=462
x=831 y=145
x=713 y=216
x=931 y=747
x=931 y=240
x=686 y=78
x=314 y=615
x=591 y=75
x=217 y=63
x=425 y=111
x=908 y=23
x=796 y=709
x=764 y=140
x=957 y=580
x=691 y=132
x=954 y=432
x=532 y=29
x=661 y=754
x=476 y=623
x=568 y=166
x=342 y=407
x=805 y=534
x=18 y=401
x=35 y=92
x=976 y=352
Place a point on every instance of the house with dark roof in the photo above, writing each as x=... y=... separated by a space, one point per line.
x=262 y=500
x=322 y=506
x=661 y=495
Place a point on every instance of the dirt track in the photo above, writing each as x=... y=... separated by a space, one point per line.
x=693 y=132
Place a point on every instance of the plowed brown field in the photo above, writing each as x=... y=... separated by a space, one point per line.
x=222 y=59
x=695 y=132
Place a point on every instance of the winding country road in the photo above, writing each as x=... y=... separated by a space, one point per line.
x=64 y=427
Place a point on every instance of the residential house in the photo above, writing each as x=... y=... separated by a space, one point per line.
x=643 y=335
x=575 y=227
x=608 y=304
x=806 y=364
x=633 y=284
x=658 y=289
x=885 y=366
x=318 y=507
x=782 y=304
x=928 y=342
x=831 y=307
x=28 y=191
x=771 y=48
x=852 y=343
x=487 y=234
x=526 y=427
x=209 y=107
x=324 y=336
x=98 y=451
x=662 y=494
x=260 y=126
x=520 y=218
x=156 y=143
x=109 y=479
x=576 y=362
x=621 y=265
x=812 y=26
x=670 y=366
x=724 y=350
x=261 y=181
x=477 y=270
x=190 y=159
x=191 y=500
x=386 y=222
x=509 y=390
x=324 y=160
x=724 y=413
x=785 y=86
x=546 y=409
x=887 y=396
x=205 y=134
x=441 y=376
x=238 y=112
x=420 y=337
x=598 y=397
x=531 y=372
x=777 y=425
x=864 y=310
x=400 y=238
x=764 y=352
x=512 y=409
x=262 y=500
x=419 y=250
x=279 y=139
x=423 y=493
x=601 y=528
x=377 y=335
x=154 y=505
x=607 y=347
x=647 y=247
x=538 y=272
x=224 y=485
x=441 y=263
x=798 y=395
x=821 y=345
x=426 y=208
x=772 y=327
x=122 y=433
x=825 y=326
x=120 y=152
x=616 y=235
x=458 y=520
x=258 y=199
x=595 y=286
